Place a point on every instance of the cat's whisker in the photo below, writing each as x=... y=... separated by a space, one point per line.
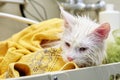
x=81 y=33
x=92 y=57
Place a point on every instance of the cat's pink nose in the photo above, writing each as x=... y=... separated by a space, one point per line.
x=70 y=59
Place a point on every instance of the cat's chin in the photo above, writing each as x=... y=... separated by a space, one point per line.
x=86 y=64
x=81 y=64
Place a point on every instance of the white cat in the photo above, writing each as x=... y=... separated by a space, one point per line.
x=83 y=40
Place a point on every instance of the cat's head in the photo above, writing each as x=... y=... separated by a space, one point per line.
x=83 y=40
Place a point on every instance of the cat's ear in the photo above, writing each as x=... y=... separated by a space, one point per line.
x=68 y=18
x=102 y=31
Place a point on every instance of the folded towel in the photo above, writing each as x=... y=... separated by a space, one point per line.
x=25 y=52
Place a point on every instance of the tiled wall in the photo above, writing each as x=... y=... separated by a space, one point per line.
x=93 y=14
x=115 y=2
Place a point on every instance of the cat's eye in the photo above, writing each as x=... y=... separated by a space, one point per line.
x=83 y=49
x=67 y=44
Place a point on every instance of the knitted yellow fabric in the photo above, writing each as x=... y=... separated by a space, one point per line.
x=22 y=54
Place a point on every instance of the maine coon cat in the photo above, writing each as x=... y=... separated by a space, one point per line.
x=83 y=40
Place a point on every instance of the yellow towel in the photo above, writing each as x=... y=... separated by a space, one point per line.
x=23 y=53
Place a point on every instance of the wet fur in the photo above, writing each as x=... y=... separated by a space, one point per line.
x=79 y=33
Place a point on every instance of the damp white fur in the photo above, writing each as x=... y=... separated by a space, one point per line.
x=80 y=43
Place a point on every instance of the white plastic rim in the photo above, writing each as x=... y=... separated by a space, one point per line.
x=13 y=1
x=18 y=18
